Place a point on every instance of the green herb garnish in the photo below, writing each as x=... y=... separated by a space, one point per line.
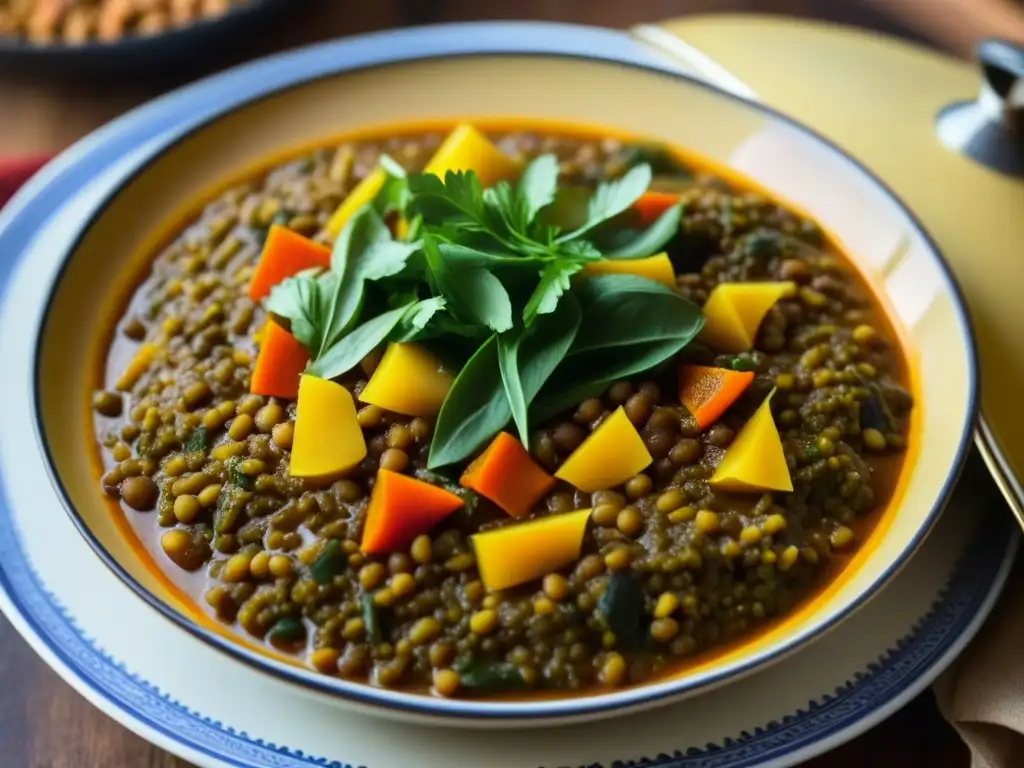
x=490 y=676
x=622 y=609
x=227 y=514
x=238 y=478
x=329 y=563
x=371 y=621
x=489 y=279
x=741 y=363
x=196 y=442
x=287 y=631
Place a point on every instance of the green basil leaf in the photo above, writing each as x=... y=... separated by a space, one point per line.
x=508 y=363
x=346 y=353
x=625 y=310
x=630 y=325
x=612 y=198
x=546 y=343
x=461 y=255
x=654 y=238
x=537 y=185
x=590 y=374
x=298 y=300
x=416 y=319
x=477 y=408
x=474 y=410
x=472 y=292
x=365 y=250
x=554 y=281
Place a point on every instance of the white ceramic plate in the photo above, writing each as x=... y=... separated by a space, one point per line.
x=156 y=678
x=170 y=151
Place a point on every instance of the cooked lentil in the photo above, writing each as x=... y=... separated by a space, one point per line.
x=712 y=566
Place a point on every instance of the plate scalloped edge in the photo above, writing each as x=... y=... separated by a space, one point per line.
x=955 y=614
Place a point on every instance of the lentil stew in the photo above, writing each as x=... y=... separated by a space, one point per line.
x=322 y=390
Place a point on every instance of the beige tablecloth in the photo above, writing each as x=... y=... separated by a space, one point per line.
x=982 y=694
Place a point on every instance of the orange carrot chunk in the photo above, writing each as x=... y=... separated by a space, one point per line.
x=505 y=474
x=280 y=363
x=285 y=253
x=706 y=392
x=401 y=508
x=652 y=204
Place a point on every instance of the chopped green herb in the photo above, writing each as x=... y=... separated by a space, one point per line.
x=763 y=244
x=227 y=514
x=622 y=609
x=287 y=631
x=196 y=442
x=490 y=676
x=741 y=363
x=237 y=478
x=329 y=563
x=370 y=619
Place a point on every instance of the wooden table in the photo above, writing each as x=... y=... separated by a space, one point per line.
x=43 y=723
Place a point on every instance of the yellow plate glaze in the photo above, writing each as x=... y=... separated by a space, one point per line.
x=878 y=97
x=884 y=241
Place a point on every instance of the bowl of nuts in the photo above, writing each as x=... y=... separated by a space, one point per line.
x=101 y=34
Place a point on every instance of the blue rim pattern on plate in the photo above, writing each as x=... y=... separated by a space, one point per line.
x=164 y=121
x=978 y=571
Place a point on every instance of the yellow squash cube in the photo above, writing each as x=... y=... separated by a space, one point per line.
x=409 y=380
x=610 y=455
x=523 y=552
x=755 y=461
x=734 y=311
x=328 y=440
x=466 y=149
x=363 y=193
x=657 y=268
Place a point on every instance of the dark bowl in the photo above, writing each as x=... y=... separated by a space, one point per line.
x=133 y=55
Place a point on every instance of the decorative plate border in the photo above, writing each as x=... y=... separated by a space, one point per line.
x=979 y=573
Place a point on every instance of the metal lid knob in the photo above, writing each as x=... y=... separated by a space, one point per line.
x=990 y=130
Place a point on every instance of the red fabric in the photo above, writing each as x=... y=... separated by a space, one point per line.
x=15 y=171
